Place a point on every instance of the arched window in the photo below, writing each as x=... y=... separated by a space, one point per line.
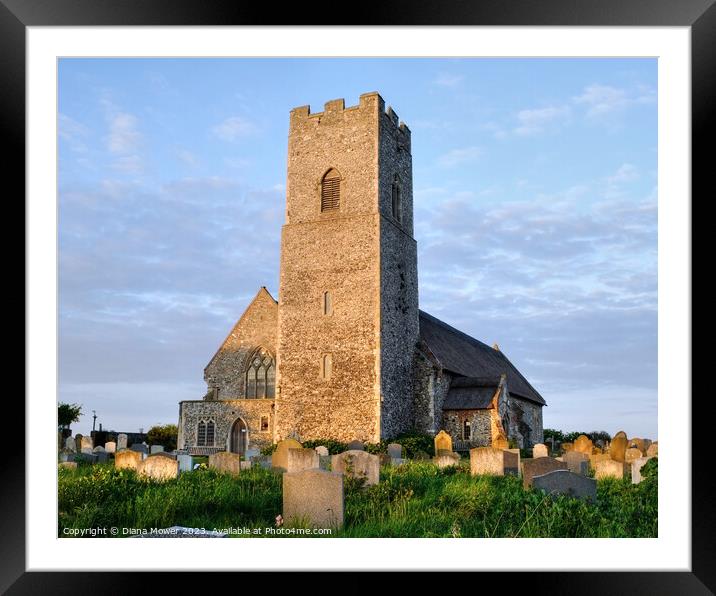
x=395 y=199
x=210 y=433
x=326 y=366
x=261 y=376
x=331 y=191
x=327 y=303
x=466 y=434
x=201 y=434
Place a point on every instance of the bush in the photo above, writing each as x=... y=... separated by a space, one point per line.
x=166 y=436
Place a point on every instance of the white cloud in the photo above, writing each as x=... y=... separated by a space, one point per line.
x=537 y=120
x=123 y=134
x=626 y=173
x=458 y=157
x=233 y=128
x=73 y=132
x=603 y=100
x=187 y=157
x=130 y=164
x=445 y=79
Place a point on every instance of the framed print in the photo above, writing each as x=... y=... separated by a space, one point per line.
x=388 y=281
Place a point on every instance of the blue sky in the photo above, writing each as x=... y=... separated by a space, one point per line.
x=535 y=216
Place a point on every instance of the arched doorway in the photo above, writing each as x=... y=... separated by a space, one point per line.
x=239 y=437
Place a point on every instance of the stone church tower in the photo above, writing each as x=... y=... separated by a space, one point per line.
x=348 y=307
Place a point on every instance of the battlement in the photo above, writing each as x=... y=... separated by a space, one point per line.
x=367 y=101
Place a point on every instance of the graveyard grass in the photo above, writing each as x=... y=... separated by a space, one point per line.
x=412 y=500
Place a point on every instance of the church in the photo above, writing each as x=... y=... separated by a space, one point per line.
x=345 y=353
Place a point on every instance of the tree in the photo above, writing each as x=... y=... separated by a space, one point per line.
x=163 y=435
x=67 y=414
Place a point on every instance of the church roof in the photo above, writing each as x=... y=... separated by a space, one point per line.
x=463 y=396
x=465 y=356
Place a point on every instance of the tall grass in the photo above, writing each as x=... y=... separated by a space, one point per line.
x=413 y=500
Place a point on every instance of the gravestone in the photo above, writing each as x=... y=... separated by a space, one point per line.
x=355 y=446
x=638 y=443
x=385 y=459
x=577 y=462
x=313 y=497
x=121 y=441
x=566 y=447
x=72 y=465
x=98 y=449
x=85 y=457
x=609 y=469
x=102 y=457
x=261 y=461
x=620 y=435
x=223 y=461
x=78 y=443
x=186 y=462
x=245 y=465
x=647 y=444
x=539 y=467
x=539 y=450
x=110 y=446
x=140 y=448
x=512 y=465
x=302 y=459
x=421 y=456
x=445 y=460
x=636 y=466
x=493 y=462
x=583 y=444
x=86 y=444
x=322 y=451
x=251 y=453
x=279 y=458
x=564 y=482
x=127 y=459
x=357 y=464
x=500 y=442
x=653 y=449
x=70 y=444
x=156 y=449
x=617 y=448
x=159 y=466
x=324 y=462
x=395 y=451
x=443 y=443
x=631 y=454
x=596 y=457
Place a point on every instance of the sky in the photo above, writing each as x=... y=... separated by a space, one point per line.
x=535 y=192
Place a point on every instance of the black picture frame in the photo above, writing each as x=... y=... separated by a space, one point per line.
x=699 y=15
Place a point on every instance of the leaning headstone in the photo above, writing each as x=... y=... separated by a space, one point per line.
x=609 y=469
x=127 y=459
x=121 y=441
x=72 y=465
x=617 y=448
x=445 y=460
x=70 y=444
x=539 y=467
x=577 y=462
x=395 y=451
x=279 y=458
x=313 y=497
x=110 y=446
x=355 y=446
x=493 y=462
x=186 y=462
x=564 y=482
x=156 y=449
x=443 y=443
x=86 y=445
x=636 y=466
x=620 y=435
x=322 y=451
x=631 y=454
x=583 y=444
x=358 y=464
x=653 y=449
x=224 y=461
x=302 y=459
x=539 y=450
x=159 y=466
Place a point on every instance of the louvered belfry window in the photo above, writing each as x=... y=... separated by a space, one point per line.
x=331 y=191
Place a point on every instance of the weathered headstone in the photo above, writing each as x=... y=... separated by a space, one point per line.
x=653 y=449
x=302 y=459
x=355 y=445
x=609 y=469
x=224 y=461
x=121 y=441
x=617 y=448
x=85 y=457
x=539 y=450
x=156 y=449
x=279 y=458
x=245 y=465
x=98 y=449
x=140 y=448
x=647 y=444
x=110 y=446
x=631 y=454
x=492 y=461
x=357 y=464
x=539 y=467
x=445 y=460
x=636 y=466
x=78 y=443
x=567 y=447
x=72 y=465
x=577 y=462
x=322 y=450
x=564 y=482
x=159 y=466
x=620 y=435
x=395 y=451
x=70 y=444
x=251 y=453
x=186 y=462
x=443 y=443
x=102 y=457
x=583 y=444
x=86 y=444
x=127 y=458
x=596 y=457
x=512 y=465
x=313 y=497
x=421 y=456
x=638 y=443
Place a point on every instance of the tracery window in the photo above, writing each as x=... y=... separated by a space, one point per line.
x=261 y=376
x=205 y=433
